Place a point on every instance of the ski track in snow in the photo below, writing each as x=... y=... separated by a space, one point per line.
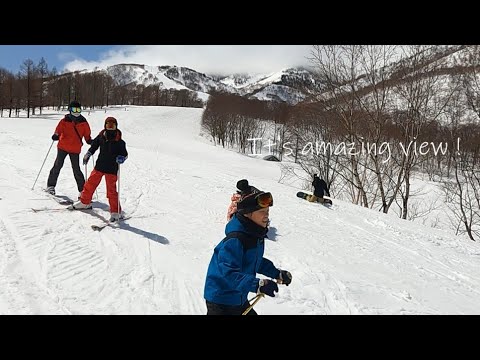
x=358 y=241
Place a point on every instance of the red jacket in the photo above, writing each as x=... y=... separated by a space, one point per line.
x=69 y=140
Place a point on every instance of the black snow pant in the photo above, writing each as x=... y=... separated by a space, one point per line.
x=220 y=309
x=57 y=166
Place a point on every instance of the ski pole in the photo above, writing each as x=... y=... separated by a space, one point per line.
x=86 y=177
x=118 y=187
x=48 y=152
x=256 y=299
x=93 y=159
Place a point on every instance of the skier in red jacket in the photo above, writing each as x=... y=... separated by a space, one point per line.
x=69 y=133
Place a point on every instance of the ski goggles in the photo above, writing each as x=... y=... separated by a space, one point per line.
x=110 y=125
x=264 y=200
x=76 y=110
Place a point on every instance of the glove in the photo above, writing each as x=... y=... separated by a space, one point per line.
x=120 y=159
x=89 y=141
x=267 y=287
x=55 y=137
x=285 y=277
x=86 y=157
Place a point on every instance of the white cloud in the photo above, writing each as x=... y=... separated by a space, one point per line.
x=218 y=59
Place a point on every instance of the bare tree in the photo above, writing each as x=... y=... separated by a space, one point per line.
x=4 y=76
x=422 y=99
x=463 y=194
x=377 y=103
x=339 y=68
x=463 y=198
x=27 y=70
x=10 y=87
x=42 y=69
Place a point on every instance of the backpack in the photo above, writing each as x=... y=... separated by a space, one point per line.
x=248 y=241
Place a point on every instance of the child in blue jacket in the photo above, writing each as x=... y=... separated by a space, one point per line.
x=238 y=258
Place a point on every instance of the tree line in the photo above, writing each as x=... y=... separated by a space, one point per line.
x=425 y=113
x=35 y=87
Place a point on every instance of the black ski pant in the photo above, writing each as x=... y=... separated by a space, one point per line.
x=220 y=309
x=57 y=166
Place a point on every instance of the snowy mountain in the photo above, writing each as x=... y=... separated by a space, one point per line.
x=177 y=187
x=194 y=80
x=290 y=85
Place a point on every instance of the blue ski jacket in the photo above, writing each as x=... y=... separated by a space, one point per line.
x=235 y=262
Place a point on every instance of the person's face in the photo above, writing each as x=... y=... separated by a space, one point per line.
x=259 y=217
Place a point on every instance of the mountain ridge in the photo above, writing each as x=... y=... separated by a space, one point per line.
x=289 y=85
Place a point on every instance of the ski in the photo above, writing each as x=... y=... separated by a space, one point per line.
x=108 y=223
x=61 y=199
x=59 y=209
x=47 y=209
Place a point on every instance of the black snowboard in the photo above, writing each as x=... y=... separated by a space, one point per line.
x=306 y=196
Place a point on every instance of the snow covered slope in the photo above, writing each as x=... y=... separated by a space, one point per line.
x=177 y=186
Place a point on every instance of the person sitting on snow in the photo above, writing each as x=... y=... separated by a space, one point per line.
x=321 y=189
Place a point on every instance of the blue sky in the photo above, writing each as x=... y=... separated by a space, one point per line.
x=12 y=56
x=218 y=59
